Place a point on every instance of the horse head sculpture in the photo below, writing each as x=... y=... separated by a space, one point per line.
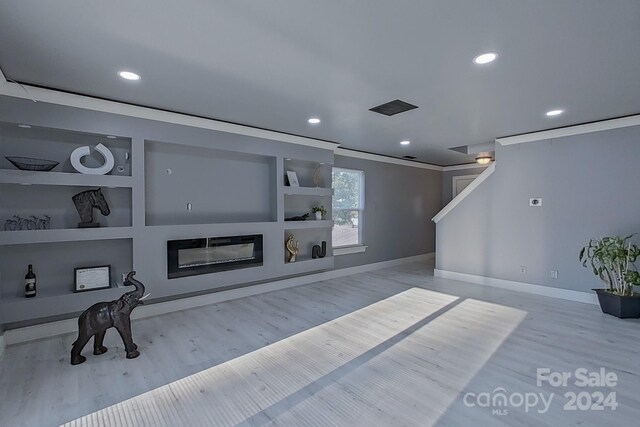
x=85 y=202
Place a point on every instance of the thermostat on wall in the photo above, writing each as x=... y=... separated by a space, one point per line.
x=535 y=201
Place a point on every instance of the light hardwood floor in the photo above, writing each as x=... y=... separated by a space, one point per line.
x=390 y=347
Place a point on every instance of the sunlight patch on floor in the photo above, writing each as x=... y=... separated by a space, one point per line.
x=340 y=372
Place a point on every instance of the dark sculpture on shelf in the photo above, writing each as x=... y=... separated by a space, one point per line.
x=85 y=202
x=95 y=321
x=35 y=223
x=316 y=252
x=298 y=218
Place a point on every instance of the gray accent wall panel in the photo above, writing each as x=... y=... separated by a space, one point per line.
x=399 y=204
x=589 y=185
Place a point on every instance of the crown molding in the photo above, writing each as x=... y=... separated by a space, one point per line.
x=384 y=159
x=602 y=125
x=463 y=167
x=89 y=103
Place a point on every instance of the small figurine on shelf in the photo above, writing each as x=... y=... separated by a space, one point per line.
x=298 y=218
x=293 y=248
x=317 y=252
x=35 y=223
x=320 y=211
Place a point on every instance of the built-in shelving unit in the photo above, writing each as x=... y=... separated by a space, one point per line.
x=314 y=190
x=170 y=182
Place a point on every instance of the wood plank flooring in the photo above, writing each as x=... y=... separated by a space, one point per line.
x=386 y=348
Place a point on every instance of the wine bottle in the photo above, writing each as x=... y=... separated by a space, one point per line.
x=30 y=283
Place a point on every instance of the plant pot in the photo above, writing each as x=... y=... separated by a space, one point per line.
x=318 y=215
x=619 y=306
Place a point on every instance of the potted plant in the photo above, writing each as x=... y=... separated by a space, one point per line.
x=613 y=259
x=319 y=211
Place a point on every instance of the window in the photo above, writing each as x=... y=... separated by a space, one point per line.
x=348 y=207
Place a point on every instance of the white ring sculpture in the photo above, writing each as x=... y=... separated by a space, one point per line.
x=80 y=152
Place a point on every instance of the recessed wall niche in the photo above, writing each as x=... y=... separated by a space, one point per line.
x=58 y=144
x=194 y=185
x=56 y=202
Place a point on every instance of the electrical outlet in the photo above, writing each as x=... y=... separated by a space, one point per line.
x=535 y=202
x=554 y=274
x=523 y=269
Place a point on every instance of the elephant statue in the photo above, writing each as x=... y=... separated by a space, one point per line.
x=95 y=321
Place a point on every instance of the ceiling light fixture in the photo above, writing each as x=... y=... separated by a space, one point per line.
x=405 y=142
x=485 y=58
x=111 y=137
x=314 y=120
x=129 y=75
x=483 y=160
x=25 y=126
x=553 y=113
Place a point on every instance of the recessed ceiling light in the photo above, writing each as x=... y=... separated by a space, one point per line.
x=25 y=126
x=485 y=58
x=314 y=120
x=129 y=75
x=553 y=113
x=111 y=137
x=405 y=142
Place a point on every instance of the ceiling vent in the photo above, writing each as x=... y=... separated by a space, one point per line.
x=392 y=108
x=409 y=157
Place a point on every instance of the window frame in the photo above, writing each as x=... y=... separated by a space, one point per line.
x=360 y=210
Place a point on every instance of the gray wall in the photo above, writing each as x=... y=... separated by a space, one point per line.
x=589 y=186
x=222 y=186
x=399 y=204
x=447 y=181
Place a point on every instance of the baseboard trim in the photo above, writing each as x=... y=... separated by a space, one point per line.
x=529 y=288
x=45 y=330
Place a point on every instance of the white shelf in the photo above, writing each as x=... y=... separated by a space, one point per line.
x=16 y=309
x=297 y=225
x=64 y=235
x=307 y=191
x=10 y=176
x=308 y=264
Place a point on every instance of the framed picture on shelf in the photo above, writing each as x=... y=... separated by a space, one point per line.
x=92 y=278
x=293 y=179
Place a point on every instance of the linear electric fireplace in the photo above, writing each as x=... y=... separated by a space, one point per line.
x=191 y=257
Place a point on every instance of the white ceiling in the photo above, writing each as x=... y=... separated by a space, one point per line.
x=273 y=64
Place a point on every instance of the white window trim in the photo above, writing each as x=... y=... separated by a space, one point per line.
x=346 y=250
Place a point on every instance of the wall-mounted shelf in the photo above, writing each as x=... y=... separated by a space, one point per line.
x=298 y=225
x=64 y=235
x=306 y=264
x=8 y=176
x=16 y=309
x=308 y=191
